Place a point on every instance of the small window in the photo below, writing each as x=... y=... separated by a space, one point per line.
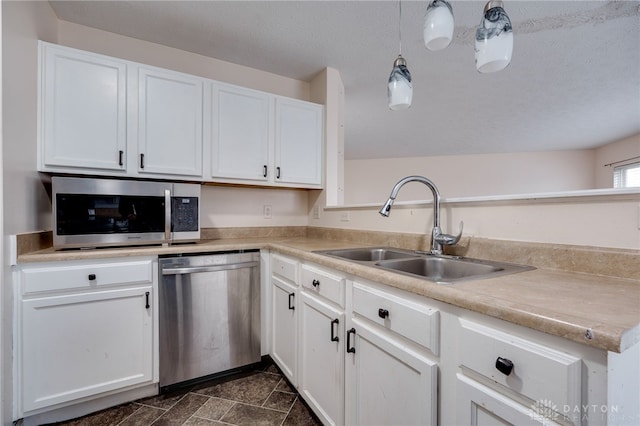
x=627 y=176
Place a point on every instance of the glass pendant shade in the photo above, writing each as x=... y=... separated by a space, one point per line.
x=494 y=39
x=400 y=89
x=438 y=25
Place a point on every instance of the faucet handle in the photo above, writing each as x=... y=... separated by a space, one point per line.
x=449 y=240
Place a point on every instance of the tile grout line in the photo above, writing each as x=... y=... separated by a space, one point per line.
x=290 y=408
x=138 y=409
x=210 y=398
x=176 y=403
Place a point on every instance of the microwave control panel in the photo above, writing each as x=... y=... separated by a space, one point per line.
x=184 y=214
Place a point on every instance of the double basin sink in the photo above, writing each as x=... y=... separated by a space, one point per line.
x=441 y=269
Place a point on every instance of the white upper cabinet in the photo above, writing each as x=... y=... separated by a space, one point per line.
x=169 y=123
x=265 y=139
x=241 y=136
x=105 y=116
x=82 y=111
x=298 y=143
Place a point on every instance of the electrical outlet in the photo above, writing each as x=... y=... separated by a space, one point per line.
x=266 y=211
x=316 y=212
x=345 y=217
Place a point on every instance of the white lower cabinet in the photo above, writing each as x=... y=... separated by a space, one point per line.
x=321 y=377
x=391 y=368
x=388 y=383
x=285 y=328
x=479 y=405
x=371 y=354
x=84 y=344
x=85 y=329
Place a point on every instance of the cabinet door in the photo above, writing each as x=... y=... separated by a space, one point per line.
x=79 y=345
x=298 y=145
x=169 y=122
x=285 y=327
x=82 y=110
x=241 y=133
x=387 y=383
x=478 y=405
x=321 y=375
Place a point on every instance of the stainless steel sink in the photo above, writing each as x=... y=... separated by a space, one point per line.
x=450 y=269
x=370 y=254
x=437 y=268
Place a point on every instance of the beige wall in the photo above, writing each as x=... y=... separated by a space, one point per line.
x=106 y=43
x=594 y=220
x=456 y=176
x=614 y=152
x=601 y=221
x=224 y=207
x=24 y=198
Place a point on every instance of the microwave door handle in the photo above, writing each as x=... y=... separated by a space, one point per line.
x=167 y=216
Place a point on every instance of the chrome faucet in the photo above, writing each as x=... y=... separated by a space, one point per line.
x=438 y=239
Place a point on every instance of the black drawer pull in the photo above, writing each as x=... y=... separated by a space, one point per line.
x=120 y=154
x=504 y=366
x=291 y=296
x=277 y=172
x=315 y=283
x=92 y=277
x=142 y=161
x=351 y=349
x=334 y=338
x=264 y=171
x=383 y=313
x=147 y=305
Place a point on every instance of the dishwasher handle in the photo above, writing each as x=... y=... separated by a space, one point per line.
x=210 y=268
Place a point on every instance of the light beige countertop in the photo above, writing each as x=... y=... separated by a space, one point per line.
x=557 y=302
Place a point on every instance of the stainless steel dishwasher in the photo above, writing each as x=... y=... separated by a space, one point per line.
x=209 y=314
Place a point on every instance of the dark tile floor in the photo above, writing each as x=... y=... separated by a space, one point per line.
x=259 y=397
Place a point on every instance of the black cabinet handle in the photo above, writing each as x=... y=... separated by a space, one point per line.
x=334 y=338
x=264 y=171
x=315 y=283
x=277 y=172
x=142 y=161
x=147 y=305
x=92 y=277
x=291 y=296
x=350 y=349
x=383 y=313
x=504 y=365
x=120 y=155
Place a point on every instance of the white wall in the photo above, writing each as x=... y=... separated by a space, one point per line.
x=611 y=153
x=369 y=181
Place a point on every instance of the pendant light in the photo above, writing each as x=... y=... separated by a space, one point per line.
x=494 y=39
x=438 y=25
x=399 y=88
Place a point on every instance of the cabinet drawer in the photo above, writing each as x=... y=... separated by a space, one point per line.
x=324 y=283
x=539 y=372
x=285 y=267
x=78 y=275
x=408 y=318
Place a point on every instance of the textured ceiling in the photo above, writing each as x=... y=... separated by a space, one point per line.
x=574 y=81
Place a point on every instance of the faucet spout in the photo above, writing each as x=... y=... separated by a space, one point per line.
x=438 y=239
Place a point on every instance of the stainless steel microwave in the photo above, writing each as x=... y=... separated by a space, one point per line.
x=109 y=212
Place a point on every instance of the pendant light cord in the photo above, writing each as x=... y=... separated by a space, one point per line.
x=400 y=25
